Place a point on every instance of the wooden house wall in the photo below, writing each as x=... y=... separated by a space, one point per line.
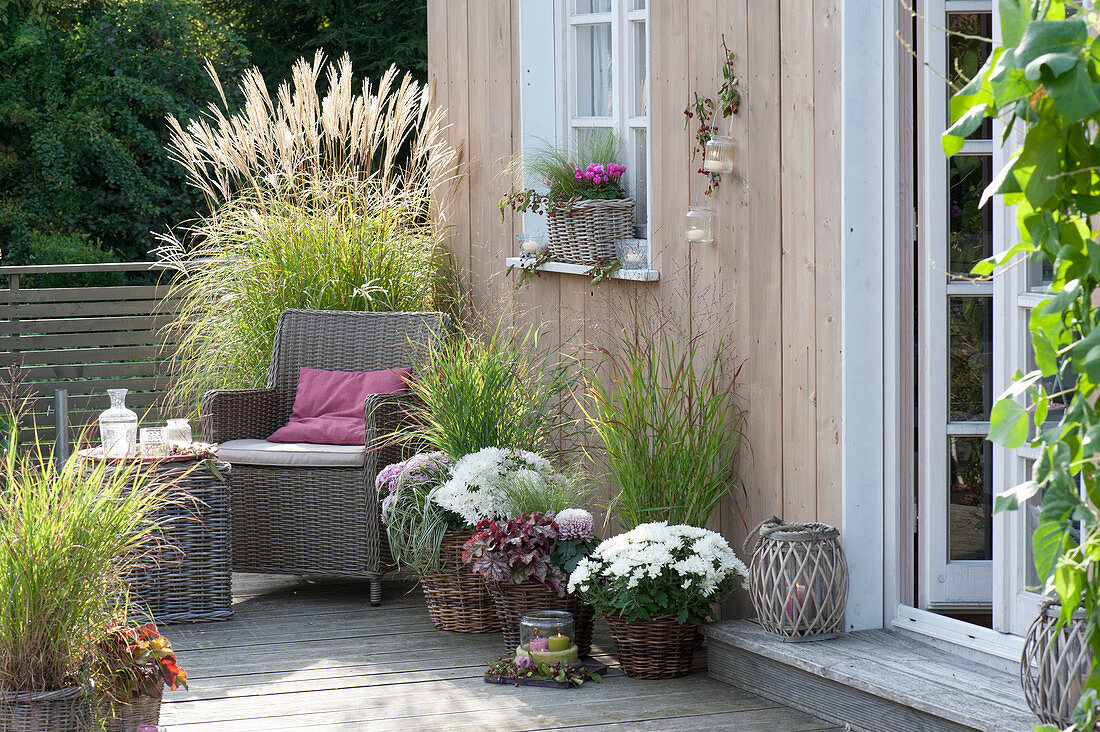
x=774 y=270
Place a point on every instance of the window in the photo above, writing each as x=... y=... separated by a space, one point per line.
x=607 y=84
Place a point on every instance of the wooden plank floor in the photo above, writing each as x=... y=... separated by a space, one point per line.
x=315 y=655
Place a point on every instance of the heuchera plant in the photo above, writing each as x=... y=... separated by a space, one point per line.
x=1043 y=82
x=516 y=550
x=136 y=661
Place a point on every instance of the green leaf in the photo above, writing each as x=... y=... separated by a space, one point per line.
x=1053 y=45
x=952 y=139
x=1047 y=545
x=1074 y=94
x=1070 y=581
x=1004 y=181
x=1010 y=423
x=1011 y=499
x=1086 y=356
x=987 y=265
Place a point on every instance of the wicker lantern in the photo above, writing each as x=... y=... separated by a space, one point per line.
x=798 y=580
x=1055 y=664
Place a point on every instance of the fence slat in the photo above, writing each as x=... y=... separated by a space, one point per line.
x=95 y=340
x=88 y=355
x=77 y=309
x=86 y=325
x=96 y=370
x=85 y=294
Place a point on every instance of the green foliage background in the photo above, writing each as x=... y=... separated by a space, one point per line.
x=86 y=85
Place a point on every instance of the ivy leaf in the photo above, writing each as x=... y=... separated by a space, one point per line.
x=1009 y=423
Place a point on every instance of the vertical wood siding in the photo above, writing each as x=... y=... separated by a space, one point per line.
x=774 y=270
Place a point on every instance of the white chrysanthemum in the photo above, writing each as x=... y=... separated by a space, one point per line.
x=474 y=490
x=575 y=523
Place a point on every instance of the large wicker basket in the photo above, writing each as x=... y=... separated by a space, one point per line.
x=658 y=648
x=586 y=232
x=514 y=601
x=1055 y=664
x=457 y=598
x=128 y=717
x=63 y=710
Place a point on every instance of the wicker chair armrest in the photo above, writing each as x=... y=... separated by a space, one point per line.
x=385 y=413
x=238 y=414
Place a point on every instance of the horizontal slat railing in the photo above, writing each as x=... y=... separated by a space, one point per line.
x=87 y=340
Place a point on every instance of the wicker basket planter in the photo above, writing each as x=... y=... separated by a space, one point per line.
x=513 y=601
x=658 y=648
x=1055 y=666
x=798 y=580
x=457 y=599
x=63 y=710
x=586 y=232
x=127 y=717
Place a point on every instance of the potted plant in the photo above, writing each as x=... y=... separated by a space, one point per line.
x=526 y=562
x=132 y=665
x=582 y=195
x=69 y=536
x=655 y=584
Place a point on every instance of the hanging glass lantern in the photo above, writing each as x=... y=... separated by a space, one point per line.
x=718 y=156
x=699 y=225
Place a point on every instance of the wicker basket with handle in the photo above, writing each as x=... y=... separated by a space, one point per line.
x=513 y=601
x=458 y=599
x=586 y=232
x=128 y=717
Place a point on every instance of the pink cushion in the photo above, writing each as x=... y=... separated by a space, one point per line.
x=328 y=407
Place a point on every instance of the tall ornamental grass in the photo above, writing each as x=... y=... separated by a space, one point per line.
x=332 y=200
x=666 y=416
x=68 y=538
x=492 y=389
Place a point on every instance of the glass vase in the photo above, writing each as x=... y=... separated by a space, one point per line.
x=118 y=427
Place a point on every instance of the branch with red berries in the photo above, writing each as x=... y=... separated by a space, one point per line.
x=706 y=109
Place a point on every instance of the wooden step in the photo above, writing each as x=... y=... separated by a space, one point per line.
x=874 y=680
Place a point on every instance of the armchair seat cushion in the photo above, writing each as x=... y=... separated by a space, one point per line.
x=292 y=454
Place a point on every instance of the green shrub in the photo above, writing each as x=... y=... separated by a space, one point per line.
x=42 y=248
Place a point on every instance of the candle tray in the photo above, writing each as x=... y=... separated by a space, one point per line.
x=490 y=678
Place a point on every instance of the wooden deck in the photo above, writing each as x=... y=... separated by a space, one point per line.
x=303 y=655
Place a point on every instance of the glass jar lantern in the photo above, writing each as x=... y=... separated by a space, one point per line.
x=547 y=637
x=118 y=427
x=179 y=433
x=699 y=225
x=632 y=253
x=531 y=245
x=718 y=156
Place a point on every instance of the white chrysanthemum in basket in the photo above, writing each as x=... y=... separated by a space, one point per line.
x=474 y=490
x=656 y=568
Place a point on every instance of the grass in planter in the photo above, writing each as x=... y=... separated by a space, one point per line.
x=492 y=388
x=525 y=495
x=669 y=424
x=67 y=539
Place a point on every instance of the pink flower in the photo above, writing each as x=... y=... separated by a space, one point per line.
x=578 y=175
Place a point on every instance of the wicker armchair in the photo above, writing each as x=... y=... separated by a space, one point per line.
x=316 y=517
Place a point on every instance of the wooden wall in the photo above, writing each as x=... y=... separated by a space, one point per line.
x=774 y=271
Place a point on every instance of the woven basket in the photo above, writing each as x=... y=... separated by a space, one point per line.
x=586 y=232
x=458 y=599
x=513 y=601
x=658 y=648
x=798 y=580
x=127 y=717
x=63 y=710
x=1054 y=666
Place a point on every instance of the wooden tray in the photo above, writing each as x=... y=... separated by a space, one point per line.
x=202 y=450
x=597 y=668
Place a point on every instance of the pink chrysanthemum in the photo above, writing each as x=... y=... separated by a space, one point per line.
x=575 y=523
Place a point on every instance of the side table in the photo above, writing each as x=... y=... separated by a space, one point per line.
x=190 y=579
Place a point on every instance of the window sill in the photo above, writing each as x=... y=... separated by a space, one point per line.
x=635 y=275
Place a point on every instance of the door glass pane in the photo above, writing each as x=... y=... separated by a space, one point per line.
x=970 y=355
x=640 y=175
x=585 y=7
x=971 y=227
x=970 y=520
x=594 y=70
x=965 y=56
x=638 y=5
x=641 y=80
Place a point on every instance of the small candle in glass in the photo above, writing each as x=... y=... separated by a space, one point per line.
x=718 y=155
x=699 y=225
x=530 y=245
x=154 y=442
x=632 y=253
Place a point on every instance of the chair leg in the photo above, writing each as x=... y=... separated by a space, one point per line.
x=376 y=592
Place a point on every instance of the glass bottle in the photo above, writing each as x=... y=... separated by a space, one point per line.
x=118 y=427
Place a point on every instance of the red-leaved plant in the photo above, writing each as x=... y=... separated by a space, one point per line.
x=516 y=550
x=136 y=661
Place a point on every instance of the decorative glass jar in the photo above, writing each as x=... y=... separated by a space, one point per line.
x=118 y=427
x=633 y=253
x=179 y=433
x=699 y=225
x=547 y=637
x=718 y=156
x=154 y=442
x=531 y=245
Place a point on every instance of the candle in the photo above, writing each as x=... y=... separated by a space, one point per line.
x=714 y=165
x=796 y=603
x=633 y=258
x=530 y=246
x=558 y=642
x=696 y=235
x=539 y=645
